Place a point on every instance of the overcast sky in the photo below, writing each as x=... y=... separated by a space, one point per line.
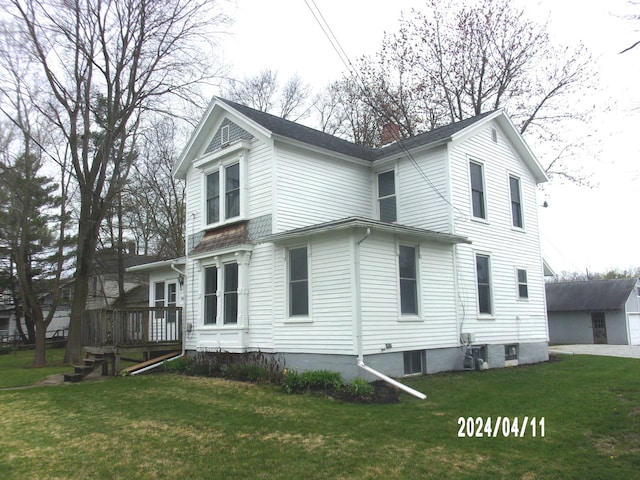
x=596 y=228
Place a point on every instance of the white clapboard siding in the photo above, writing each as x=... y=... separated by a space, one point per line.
x=260 y=168
x=330 y=326
x=261 y=297
x=509 y=248
x=382 y=322
x=312 y=189
x=421 y=187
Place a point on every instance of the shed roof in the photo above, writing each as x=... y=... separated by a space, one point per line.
x=360 y=222
x=591 y=295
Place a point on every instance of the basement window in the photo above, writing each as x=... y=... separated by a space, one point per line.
x=414 y=362
x=511 y=352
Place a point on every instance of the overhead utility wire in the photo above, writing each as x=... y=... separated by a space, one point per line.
x=344 y=58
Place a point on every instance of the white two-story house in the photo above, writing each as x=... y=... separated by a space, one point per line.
x=331 y=255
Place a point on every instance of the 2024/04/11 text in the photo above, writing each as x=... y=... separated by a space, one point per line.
x=479 y=427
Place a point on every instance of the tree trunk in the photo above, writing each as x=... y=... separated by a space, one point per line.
x=40 y=355
x=87 y=240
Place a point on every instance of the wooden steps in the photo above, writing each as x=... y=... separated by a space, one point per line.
x=81 y=371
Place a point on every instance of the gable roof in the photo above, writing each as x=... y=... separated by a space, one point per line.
x=592 y=295
x=275 y=126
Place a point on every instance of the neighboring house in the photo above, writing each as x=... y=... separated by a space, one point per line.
x=104 y=291
x=7 y=322
x=60 y=321
x=599 y=311
x=330 y=255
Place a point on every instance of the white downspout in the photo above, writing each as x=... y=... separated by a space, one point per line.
x=393 y=382
x=149 y=367
x=183 y=293
x=359 y=343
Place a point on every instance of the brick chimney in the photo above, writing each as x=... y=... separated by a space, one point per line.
x=390 y=133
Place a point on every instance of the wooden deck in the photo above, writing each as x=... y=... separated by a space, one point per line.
x=126 y=332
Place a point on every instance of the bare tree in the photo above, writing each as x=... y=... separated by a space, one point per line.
x=635 y=18
x=34 y=214
x=155 y=201
x=264 y=92
x=452 y=61
x=107 y=63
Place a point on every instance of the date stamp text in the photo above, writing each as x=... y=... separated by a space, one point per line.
x=515 y=427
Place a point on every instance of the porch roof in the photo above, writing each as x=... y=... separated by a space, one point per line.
x=351 y=223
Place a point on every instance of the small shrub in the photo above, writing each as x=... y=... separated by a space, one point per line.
x=315 y=380
x=359 y=387
x=184 y=364
x=291 y=382
x=321 y=380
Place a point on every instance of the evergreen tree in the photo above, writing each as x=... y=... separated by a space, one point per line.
x=30 y=222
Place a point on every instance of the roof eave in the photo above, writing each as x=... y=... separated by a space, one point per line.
x=156 y=265
x=353 y=223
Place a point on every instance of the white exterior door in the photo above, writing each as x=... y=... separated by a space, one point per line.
x=634 y=328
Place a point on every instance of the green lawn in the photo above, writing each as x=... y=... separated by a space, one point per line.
x=16 y=369
x=175 y=427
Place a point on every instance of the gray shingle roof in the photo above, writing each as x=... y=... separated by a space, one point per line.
x=593 y=295
x=301 y=133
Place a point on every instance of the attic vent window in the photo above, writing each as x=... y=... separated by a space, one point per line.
x=494 y=135
x=224 y=135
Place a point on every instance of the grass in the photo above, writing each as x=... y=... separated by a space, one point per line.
x=16 y=369
x=167 y=426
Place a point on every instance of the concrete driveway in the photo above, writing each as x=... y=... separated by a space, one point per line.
x=628 y=351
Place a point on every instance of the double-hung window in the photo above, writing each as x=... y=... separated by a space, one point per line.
x=483 y=275
x=213 y=198
x=408 y=280
x=516 y=202
x=210 y=295
x=387 y=196
x=232 y=191
x=227 y=277
x=523 y=286
x=230 y=293
x=477 y=190
x=298 y=282
x=223 y=207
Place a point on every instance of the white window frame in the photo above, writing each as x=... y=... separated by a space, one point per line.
x=491 y=313
x=289 y=318
x=379 y=198
x=219 y=264
x=221 y=168
x=518 y=283
x=485 y=207
x=237 y=152
x=418 y=314
x=520 y=202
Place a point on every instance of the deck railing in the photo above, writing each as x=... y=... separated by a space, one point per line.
x=131 y=326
